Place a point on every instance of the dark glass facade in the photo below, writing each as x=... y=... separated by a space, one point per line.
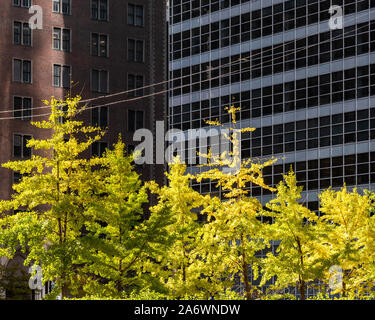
x=309 y=90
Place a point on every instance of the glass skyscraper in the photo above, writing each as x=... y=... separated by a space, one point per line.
x=307 y=86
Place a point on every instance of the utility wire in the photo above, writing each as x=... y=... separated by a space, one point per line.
x=199 y=72
x=190 y=84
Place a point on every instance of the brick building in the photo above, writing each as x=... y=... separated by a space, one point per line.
x=88 y=47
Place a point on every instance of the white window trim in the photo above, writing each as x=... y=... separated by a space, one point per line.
x=61 y=39
x=31 y=35
x=61 y=75
x=135 y=15
x=61 y=12
x=53 y=40
x=70 y=39
x=21 y=6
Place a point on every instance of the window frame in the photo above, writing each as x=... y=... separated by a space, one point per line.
x=99 y=82
x=61 y=75
x=22 y=135
x=98 y=45
x=99 y=2
x=22 y=35
x=22 y=70
x=22 y=110
x=60 y=11
x=20 y=32
x=54 y=29
x=133 y=14
x=61 y=39
x=19 y=3
x=135 y=50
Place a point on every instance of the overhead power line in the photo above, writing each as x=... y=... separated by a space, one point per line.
x=190 y=84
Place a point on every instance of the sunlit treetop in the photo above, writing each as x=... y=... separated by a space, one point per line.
x=232 y=173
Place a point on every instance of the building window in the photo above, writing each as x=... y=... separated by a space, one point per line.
x=20 y=148
x=99 y=9
x=98 y=148
x=22 y=108
x=61 y=76
x=57 y=38
x=61 y=39
x=99 y=117
x=17 y=32
x=135 y=82
x=57 y=75
x=135 y=50
x=22 y=71
x=21 y=33
x=99 y=81
x=66 y=40
x=135 y=15
x=22 y=3
x=99 y=45
x=56 y=6
x=61 y=6
x=135 y=120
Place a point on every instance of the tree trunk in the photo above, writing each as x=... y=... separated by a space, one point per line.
x=302 y=289
x=344 y=284
x=246 y=280
x=245 y=271
x=64 y=291
x=119 y=285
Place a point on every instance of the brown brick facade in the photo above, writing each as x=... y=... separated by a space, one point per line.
x=43 y=57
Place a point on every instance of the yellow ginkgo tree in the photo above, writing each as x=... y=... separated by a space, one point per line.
x=183 y=267
x=367 y=271
x=121 y=240
x=297 y=233
x=350 y=239
x=45 y=216
x=234 y=228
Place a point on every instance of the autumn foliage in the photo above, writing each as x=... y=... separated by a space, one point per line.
x=83 y=221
